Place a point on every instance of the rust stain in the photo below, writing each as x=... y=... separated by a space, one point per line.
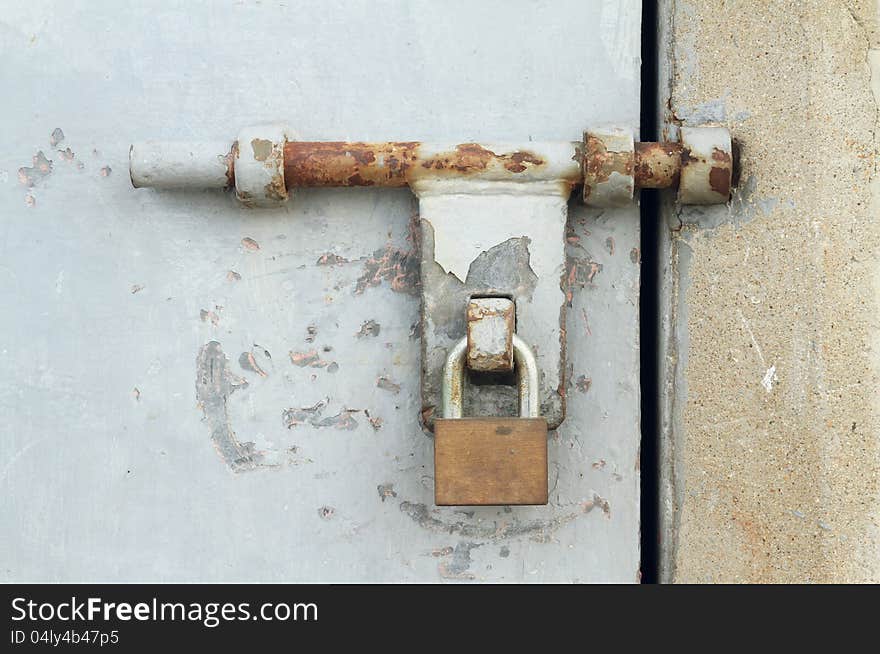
x=105 y=171
x=67 y=154
x=657 y=165
x=339 y=163
x=580 y=274
x=56 y=137
x=600 y=163
x=473 y=158
x=719 y=180
x=232 y=276
x=398 y=267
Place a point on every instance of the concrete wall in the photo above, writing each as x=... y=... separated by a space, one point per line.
x=195 y=391
x=772 y=442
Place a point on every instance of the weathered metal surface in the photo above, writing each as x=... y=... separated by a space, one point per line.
x=657 y=165
x=608 y=167
x=491 y=322
x=171 y=165
x=259 y=165
x=124 y=375
x=706 y=165
x=528 y=404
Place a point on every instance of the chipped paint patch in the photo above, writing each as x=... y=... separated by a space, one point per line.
x=313 y=415
x=56 y=137
x=312 y=359
x=41 y=168
x=215 y=383
x=250 y=244
x=386 y=384
x=396 y=266
x=385 y=491
x=459 y=566
x=330 y=259
x=369 y=328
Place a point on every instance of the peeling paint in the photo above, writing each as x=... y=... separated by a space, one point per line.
x=398 y=267
x=369 y=328
x=41 y=168
x=214 y=384
x=250 y=244
x=312 y=359
x=313 y=415
x=386 y=384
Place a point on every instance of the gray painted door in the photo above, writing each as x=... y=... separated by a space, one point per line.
x=117 y=301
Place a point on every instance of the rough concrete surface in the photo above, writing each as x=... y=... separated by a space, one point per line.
x=773 y=447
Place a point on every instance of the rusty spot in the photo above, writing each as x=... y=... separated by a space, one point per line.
x=398 y=267
x=56 y=137
x=657 y=165
x=232 y=276
x=600 y=163
x=30 y=200
x=67 y=154
x=719 y=180
x=136 y=394
x=338 y=163
x=311 y=333
x=250 y=244
x=472 y=158
x=105 y=171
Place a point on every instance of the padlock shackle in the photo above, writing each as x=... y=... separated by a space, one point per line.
x=527 y=379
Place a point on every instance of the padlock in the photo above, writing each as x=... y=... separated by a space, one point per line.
x=490 y=460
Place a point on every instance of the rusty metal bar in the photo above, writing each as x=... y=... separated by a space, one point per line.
x=657 y=165
x=396 y=163
x=265 y=164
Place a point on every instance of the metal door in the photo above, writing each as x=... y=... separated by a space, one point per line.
x=198 y=391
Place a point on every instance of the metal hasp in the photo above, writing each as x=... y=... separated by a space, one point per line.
x=493 y=218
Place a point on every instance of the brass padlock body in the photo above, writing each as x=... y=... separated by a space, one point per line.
x=490 y=461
